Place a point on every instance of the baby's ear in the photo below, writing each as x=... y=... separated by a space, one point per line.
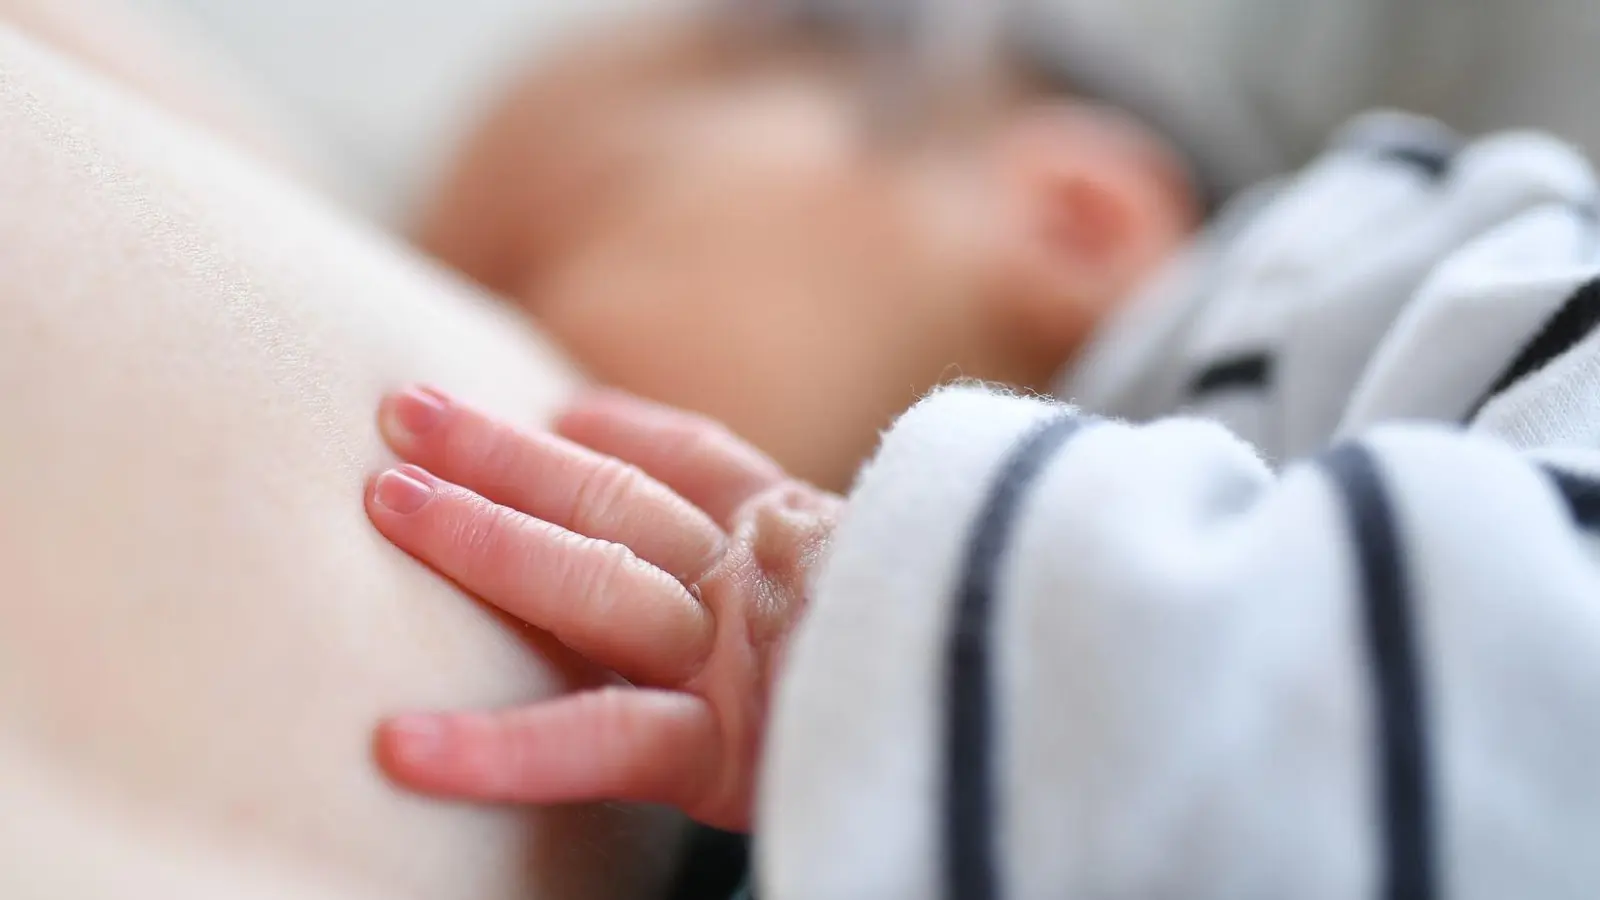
x=1091 y=203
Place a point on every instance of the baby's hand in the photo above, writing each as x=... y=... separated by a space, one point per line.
x=654 y=543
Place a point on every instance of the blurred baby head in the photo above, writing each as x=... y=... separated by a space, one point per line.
x=741 y=225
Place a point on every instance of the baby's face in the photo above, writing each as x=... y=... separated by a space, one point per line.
x=740 y=246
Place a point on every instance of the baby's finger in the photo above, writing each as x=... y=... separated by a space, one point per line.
x=614 y=744
x=595 y=596
x=695 y=456
x=553 y=479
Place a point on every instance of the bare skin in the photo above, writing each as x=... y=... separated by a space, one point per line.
x=650 y=541
x=198 y=627
x=158 y=60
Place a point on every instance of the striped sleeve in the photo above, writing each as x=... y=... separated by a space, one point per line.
x=1376 y=283
x=1052 y=656
x=1502 y=336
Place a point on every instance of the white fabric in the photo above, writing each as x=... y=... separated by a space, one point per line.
x=1193 y=688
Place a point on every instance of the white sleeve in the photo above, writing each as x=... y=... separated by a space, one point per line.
x=1051 y=656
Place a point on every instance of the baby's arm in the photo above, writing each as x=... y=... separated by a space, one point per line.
x=1068 y=656
x=670 y=553
x=1051 y=655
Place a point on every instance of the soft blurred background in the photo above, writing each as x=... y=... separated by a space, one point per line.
x=385 y=87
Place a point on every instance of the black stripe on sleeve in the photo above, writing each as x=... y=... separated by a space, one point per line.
x=1432 y=162
x=1420 y=146
x=1408 y=868
x=1566 y=329
x=1428 y=151
x=1245 y=372
x=1582 y=496
x=970 y=814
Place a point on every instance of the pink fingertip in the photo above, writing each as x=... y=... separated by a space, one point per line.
x=413 y=414
x=415 y=741
x=401 y=491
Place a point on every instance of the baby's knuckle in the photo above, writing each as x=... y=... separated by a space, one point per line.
x=605 y=490
x=606 y=570
x=485 y=532
x=619 y=559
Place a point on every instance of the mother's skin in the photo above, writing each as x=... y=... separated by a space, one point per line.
x=198 y=627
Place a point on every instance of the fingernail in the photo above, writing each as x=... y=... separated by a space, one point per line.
x=416 y=740
x=400 y=492
x=413 y=413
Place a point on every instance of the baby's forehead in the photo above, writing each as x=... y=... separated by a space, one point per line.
x=647 y=57
x=633 y=103
x=615 y=91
